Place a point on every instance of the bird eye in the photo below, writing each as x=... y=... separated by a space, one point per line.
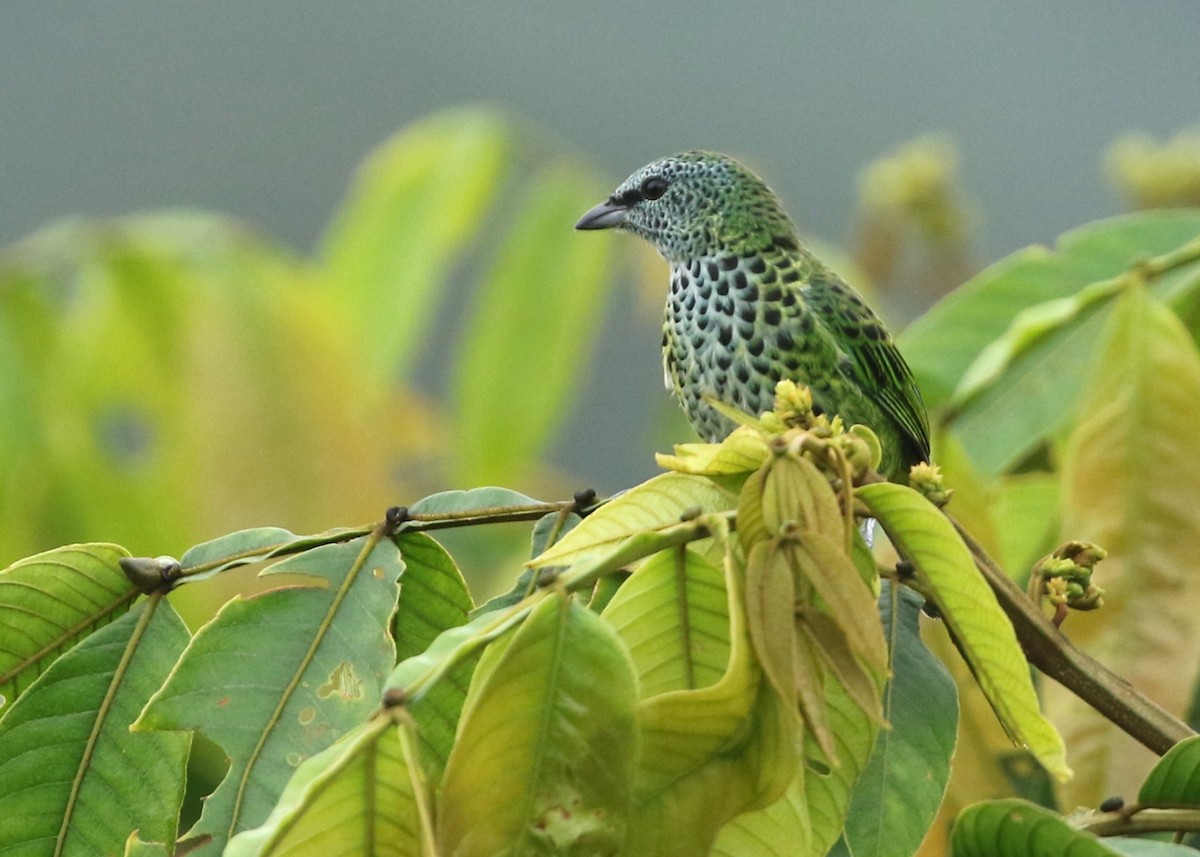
x=654 y=187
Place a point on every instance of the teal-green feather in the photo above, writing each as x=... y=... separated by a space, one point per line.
x=749 y=305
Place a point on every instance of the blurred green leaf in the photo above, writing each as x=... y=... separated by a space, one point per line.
x=136 y=847
x=898 y=794
x=1026 y=511
x=73 y=778
x=415 y=205
x=545 y=752
x=1129 y=484
x=163 y=385
x=948 y=338
x=353 y=797
x=1017 y=828
x=310 y=663
x=984 y=634
x=532 y=325
x=1026 y=326
x=48 y=602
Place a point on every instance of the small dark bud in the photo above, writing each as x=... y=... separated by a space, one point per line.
x=394 y=697
x=1112 y=804
x=394 y=517
x=584 y=498
x=150 y=574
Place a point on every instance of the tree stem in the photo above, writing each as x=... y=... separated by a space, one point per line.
x=1054 y=654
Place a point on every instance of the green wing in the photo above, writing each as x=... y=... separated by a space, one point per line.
x=877 y=364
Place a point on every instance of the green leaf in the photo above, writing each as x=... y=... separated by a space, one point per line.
x=73 y=778
x=1176 y=777
x=356 y=797
x=550 y=528
x=433 y=598
x=1133 y=847
x=652 y=505
x=771 y=617
x=416 y=203
x=532 y=326
x=827 y=791
x=673 y=616
x=433 y=595
x=1130 y=473
x=1017 y=828
x=51 y=600
x=310 y=661
x=899 y=792
x=986 y=637
x=473 y=502
x=234 y=549
x=545 y=751
x=547 y=531
x=1038 y=364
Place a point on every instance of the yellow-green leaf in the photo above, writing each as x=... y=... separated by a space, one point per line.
x=673 y=615
x=356 y=796
x=945 y=568
x=782 y=829
x=545 y=751
x=846 y=597
x=651 y=505
x=771 y=617
x=795 y=492
x=743 y=451
x=708 y=755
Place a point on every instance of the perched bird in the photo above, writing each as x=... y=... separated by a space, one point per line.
x=749 y=305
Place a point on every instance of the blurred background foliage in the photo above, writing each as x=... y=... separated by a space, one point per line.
x=172 y=376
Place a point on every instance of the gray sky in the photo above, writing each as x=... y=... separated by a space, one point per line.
x=263 y=109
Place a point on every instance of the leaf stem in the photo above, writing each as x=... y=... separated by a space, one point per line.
x=1142 y=819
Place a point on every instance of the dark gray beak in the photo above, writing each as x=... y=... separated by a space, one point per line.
x=606 y=215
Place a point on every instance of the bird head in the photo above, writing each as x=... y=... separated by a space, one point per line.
x=692 y=205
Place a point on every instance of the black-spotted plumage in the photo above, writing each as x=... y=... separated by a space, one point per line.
x=749 y=305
